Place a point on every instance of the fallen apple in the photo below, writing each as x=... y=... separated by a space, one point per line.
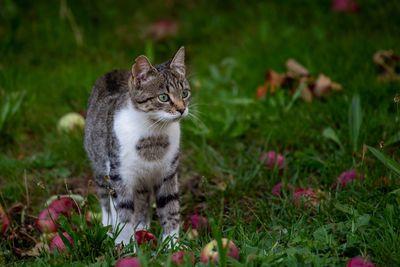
x=347 y=177
x=195 y=225
x=199 y=222
x=47 y=220
x=345 y=6
x=64 y=205
x=359 y=262
x=272 y=159
x=4 y=221
x=143 y=236
x=128 y=262
x=210 y=251
x=162 y=29
x=57 y=243
x=306 y=196
x=70 y=122
x=182 y=257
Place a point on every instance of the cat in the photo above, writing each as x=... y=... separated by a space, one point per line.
x=132 y=138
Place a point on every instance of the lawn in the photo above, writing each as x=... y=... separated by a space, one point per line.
x=51 y=53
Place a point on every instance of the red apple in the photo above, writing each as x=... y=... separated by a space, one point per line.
x=199 y=222
x=64 y=205
x=272 y=159
x=47 y=221
x=305 y=195
x=345 y=6
x=196 y=224
x=347 y=177
x=210 y=251
x=180 y=257
x=359 y=262
x=58 y=244
x=277 y=189
x=4 y=221
x=143 y=236
x=128 y=262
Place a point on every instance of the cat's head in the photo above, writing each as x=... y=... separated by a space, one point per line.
x=162 y=91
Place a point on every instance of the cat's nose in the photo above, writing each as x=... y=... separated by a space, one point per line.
x=181 y=110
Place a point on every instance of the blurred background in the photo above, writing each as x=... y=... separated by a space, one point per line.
x=51 y=53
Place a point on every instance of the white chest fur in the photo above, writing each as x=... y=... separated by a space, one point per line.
x=130 y=126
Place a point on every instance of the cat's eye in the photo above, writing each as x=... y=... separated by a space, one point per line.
x=163 y=97
x=185 y=93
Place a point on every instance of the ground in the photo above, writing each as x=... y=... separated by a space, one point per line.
x=53 y=51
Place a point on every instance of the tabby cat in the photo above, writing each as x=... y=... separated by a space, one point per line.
x=132 y=138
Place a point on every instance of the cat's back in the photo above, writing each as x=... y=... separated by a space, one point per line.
x=110 y=86
x=109 y=94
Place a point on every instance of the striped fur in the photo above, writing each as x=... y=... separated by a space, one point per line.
x=132 y=140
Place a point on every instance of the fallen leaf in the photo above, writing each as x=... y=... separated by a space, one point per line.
x=322 y=86
x=306 y=95
x=389 y=65
x=36 y=250
x=261 y=92
x=275 y=80
x=295 y=69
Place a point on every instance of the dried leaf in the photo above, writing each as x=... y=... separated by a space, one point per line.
x=295 y=69
x=261 y=92
x=36 y=250
x=322 y=86
x=388 y=63
x=275 y=80
x=306 y=95
x=336 y=86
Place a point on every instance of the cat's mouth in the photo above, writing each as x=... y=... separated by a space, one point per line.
x=165 y=117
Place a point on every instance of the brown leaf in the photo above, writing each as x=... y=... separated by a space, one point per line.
x=322 y=86
x=35 y=251
x=388 y=63
x=306 y=95
x=275 y=80
x=336 y=86
x=295 y=69
x=261 y=92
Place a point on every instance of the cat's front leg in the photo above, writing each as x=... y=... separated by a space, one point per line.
x=168 y=208
x=141 y=218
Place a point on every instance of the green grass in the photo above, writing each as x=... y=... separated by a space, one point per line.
x=229 y=48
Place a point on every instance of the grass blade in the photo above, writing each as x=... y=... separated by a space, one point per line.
x=355 y=120
x=329 y=133
x=388 y=162
x=393 y=140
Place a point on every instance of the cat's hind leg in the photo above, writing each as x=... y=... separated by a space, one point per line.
x=168 y=208
x=104 y=192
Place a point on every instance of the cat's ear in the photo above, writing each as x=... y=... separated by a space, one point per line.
x=178 y=62
x=142 y=69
